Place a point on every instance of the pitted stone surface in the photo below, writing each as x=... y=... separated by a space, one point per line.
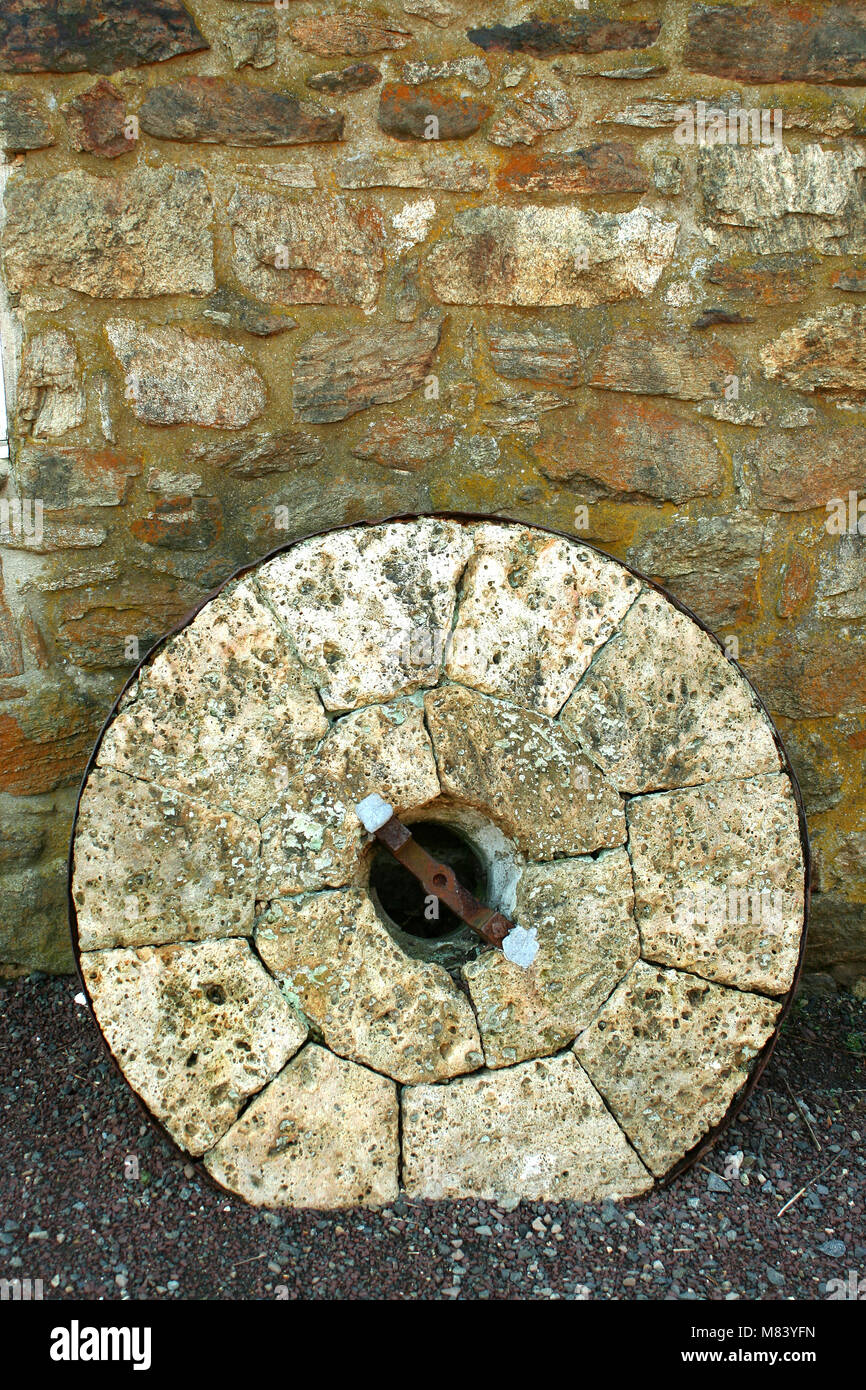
x=369 y=610
x=312 y=837
x=582 y=910
x=537 y=1130
x=612 y=771
x=196 y=1029
x=383 y=748
x=220 y=710
x=719 y=881
x=523 y=772
x=324 y=1134
x=533 y=610
x=661 y=706
x=369 y=1001
x=668 y=1053
x=153 y=866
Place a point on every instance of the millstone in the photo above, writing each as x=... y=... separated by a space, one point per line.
x=294 y=1018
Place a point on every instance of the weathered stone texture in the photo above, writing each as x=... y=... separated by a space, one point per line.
x=319 y=250
x=778 y=43
x=323 y=1134
x=50 y=395
x=213 y=111
x=534 y=113
x=371 y=1003
x=549 y=255
x=359 y=604
x=790 y=478
x=312 y=837
x=96 y=121
x=668 y=1053
x=196 y=1028
x=582 y=911
x=601 y=168
x=152 y=866
x=354 y=78
x=590 y=33
x=770 y=201
x=46 y=739
x=664 y=364
x=808 y=671
x=331 y=35
x=544 y=353
x=180 y=523
x=524 y=773
x=147 y=234
x=251 y=39
x=537 y=1130
x=533 y=610
x=408 y=113
x=24 y=122
x=338 y=374
x=230 y=668
x=711 y=563
x=174 y=377
x=409 y=443
x=82 y=37
x=824 y=353
x=635 y=448
x=661 y=706
x=719 y=881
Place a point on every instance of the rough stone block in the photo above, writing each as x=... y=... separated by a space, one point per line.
x=537 y=1130
x=322 y=1135
x=369 y=1001
x=661 y=706
x=152 y=866
x=668 y=1053
x=197 y=1029
x=582 y=911
x=719 y=881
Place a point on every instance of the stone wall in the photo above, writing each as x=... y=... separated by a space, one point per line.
x=273 y=267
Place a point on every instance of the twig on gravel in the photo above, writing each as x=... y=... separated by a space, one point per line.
x=251 y=1260
x=797 y=1195
x=803 y=1116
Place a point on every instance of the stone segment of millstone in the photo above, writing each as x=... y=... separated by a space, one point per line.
x=537 y=1130
x=582 y=910
x=312 y=837
x=523 y=771
x=383 y=747
x=661 y=706
x=719 y=881
x=370 y=609
x=220 y=709
x=369 y=1001
x=197 y=1028
x=153 y=866
x=533 y=609
x=668 y=1053
x=323 y=1134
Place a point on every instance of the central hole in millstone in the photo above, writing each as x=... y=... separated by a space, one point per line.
x=406 y=901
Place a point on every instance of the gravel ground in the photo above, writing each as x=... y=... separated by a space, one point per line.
x=70 y=1216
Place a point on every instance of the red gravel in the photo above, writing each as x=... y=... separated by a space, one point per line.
x=70 y=1217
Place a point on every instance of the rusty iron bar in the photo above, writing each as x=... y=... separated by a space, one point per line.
x=442 y=882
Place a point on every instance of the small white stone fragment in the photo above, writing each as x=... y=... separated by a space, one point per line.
x=374 y=812
x=521 y=946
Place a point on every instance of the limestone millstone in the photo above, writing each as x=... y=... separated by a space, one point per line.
x=590 y=764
